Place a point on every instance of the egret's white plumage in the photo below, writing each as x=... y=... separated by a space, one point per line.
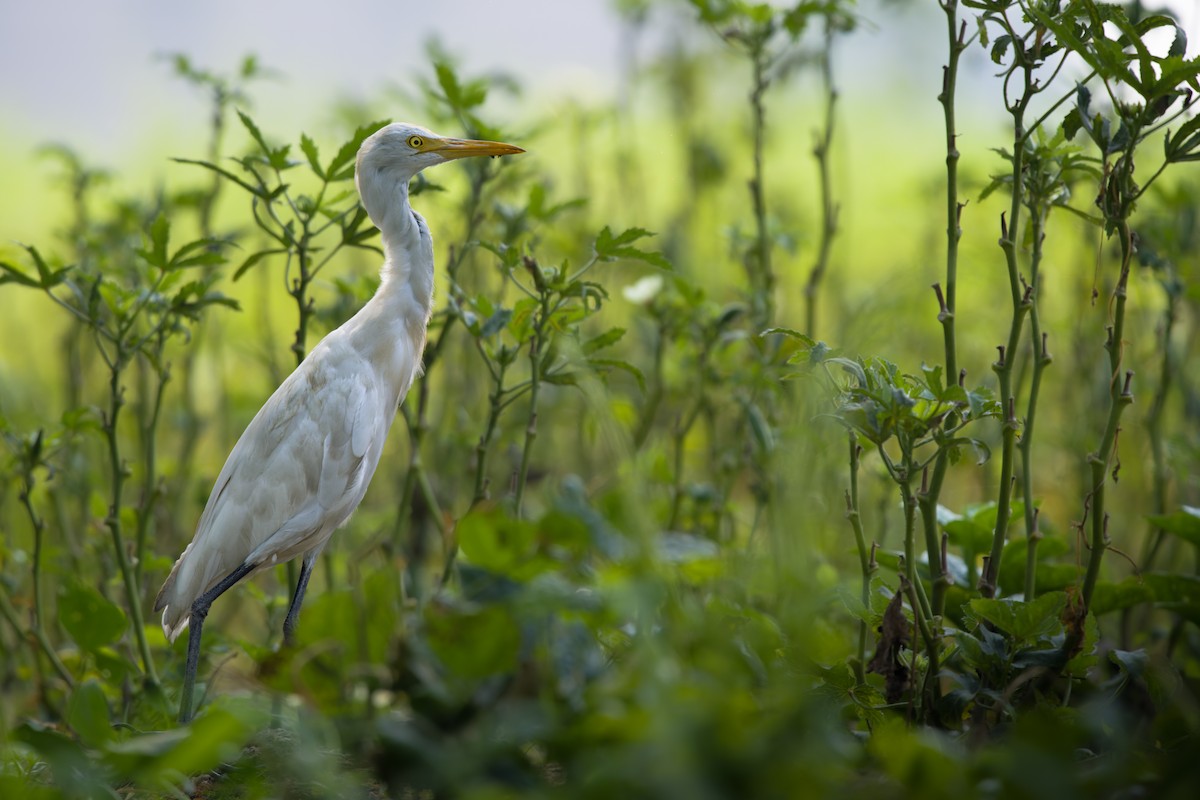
x=303 y=464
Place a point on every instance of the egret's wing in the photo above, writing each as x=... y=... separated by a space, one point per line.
x=297 y=472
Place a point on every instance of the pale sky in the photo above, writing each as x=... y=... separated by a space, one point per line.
x=85 y=71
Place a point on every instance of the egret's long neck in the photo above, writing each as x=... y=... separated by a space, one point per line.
x=407 y=275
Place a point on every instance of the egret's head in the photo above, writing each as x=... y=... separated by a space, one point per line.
x=394 y=154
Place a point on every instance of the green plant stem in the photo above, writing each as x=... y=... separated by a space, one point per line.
x=956 y=35
x=39 y=637
x=762 y=277
x=116 y=401
x=535 y=381
x=866 y=562
x=37 y=623
x=655 y=395
x=1154 y=427
x=496 y=407
x=680 y=439
x=1004 y=365
x=1041 y=360
x=930 y=494
x=1120 y=396
x=149 y=489
x=829 y=209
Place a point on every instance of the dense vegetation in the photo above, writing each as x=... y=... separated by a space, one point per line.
x=737 y=508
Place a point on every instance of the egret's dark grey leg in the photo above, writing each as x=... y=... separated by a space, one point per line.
x=293 y=615
x=196 y=624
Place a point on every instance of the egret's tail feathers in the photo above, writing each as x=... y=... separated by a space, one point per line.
x=175 y=609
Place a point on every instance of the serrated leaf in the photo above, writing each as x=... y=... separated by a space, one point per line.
x=257 y=191
x=341 y=167
x=309 y=148
x=200 y=253
x=12 y=274
x=1022 y=621
x=610 y=247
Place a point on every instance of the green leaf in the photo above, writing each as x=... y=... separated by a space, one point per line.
x=1184 y=523
x=75 y=774
x=91 y=620
x=88 y=715
x=217 y=735
x=255 y=258
x=200 y=253
x=1109 y=596
x=255 y=133
x=309 y=148
x=1022 y=621
x=610 y=247
x=602 y=365
x=341 y=167
x=606 y=339
x=1178 y=593
x=473 y=644
x=495 y=323
x=258 y=191
x=12 y=274
x=498 y=543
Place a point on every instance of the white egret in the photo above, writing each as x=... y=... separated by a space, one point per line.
x=303 y=464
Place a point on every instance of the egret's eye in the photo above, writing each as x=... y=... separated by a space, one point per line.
x=415 y=142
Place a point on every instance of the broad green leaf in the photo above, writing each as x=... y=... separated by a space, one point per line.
x=1022 y=621
x=501 y=544
x=90 y=619
x=606 y=339
x=1184 y=523
x=156 y=759
x=88 y=715
x=473 y=644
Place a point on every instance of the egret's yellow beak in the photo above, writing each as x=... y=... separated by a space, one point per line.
x=465 y=148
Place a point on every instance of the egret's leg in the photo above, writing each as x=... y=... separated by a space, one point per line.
x=293 y=614
x=196 y=624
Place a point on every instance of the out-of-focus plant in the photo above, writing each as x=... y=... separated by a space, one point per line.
x=131 y=317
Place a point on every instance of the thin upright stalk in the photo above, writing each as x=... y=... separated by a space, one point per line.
x=149 y=489
x=1004 y=364
x=496 y=407
x=865 y=556
x=956 y=34
x=829 y=209
x=1154 y=426
x=1041 y=359
x=37 y=622
x=116 y=401
x=535 y=381
x=931 y=492
x=1120 y=396
x=762 y=276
